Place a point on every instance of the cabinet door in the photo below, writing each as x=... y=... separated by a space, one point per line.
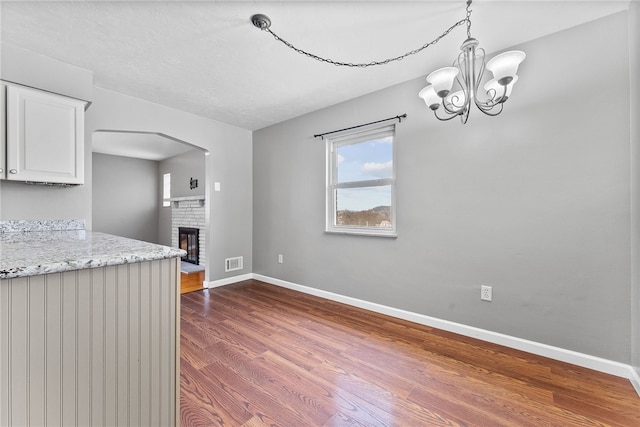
x=3 y=130
x=45 y=137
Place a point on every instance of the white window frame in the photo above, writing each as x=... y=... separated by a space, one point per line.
x=166 y=190
x=332 y=186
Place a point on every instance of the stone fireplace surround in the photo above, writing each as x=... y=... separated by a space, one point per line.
x=189 y=212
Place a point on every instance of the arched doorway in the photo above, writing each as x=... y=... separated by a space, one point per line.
x=131 y=172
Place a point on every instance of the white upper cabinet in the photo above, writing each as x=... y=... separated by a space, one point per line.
x=44 y=137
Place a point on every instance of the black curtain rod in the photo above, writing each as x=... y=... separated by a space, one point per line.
x=399 y=118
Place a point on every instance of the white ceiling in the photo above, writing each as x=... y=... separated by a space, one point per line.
x=207 y=58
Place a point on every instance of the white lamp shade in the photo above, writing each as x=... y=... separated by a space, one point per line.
x=430 y=97
x=455 y=100
x=496 y=90
x=442 y=80
x=505 y=65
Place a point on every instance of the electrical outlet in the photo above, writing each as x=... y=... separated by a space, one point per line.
x=486 y=293
x=280 y=259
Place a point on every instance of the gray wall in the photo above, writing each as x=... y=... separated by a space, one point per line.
x=182 y=168
x=40 y=71
x=534 y=202
x=125 y=197
x=634 y=66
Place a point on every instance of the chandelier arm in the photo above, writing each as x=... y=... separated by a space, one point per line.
x=489 y=110
x=494 y=101
x=457 y=111
x=461 y=79
x=492 y=94
x=464 y=117
x=487 y=105
x=480 y=75
x=447 y=118
x=364 y=64
x=465 y=77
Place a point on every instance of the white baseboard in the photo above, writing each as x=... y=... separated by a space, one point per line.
x=556 y=353
x=228 y=281
x=635 y=380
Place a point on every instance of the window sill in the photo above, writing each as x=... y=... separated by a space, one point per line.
x=367 y=233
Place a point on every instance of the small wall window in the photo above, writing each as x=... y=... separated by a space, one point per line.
x=361 y=183
x=166 y=190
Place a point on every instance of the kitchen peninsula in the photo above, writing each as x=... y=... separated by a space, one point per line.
x=89 y=327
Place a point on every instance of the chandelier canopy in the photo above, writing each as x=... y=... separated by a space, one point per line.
x=467 y=70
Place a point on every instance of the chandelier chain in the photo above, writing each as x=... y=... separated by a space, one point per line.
x=466 y=20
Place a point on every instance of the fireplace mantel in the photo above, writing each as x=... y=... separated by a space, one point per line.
x=175 y=201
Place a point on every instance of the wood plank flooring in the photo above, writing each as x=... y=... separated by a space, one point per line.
x=254 y=354
x=190 y=282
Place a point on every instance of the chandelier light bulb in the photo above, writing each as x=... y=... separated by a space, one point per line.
x=430 y=97
x=442 y=80
x=505 y=66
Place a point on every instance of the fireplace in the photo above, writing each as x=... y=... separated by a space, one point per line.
x=188 y=239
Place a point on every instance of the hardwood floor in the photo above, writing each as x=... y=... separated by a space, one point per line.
x=254 y=354
x=190 y=282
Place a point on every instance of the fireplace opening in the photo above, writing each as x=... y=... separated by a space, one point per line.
x=188 y=239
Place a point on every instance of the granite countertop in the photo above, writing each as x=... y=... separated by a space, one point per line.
x=29 y=248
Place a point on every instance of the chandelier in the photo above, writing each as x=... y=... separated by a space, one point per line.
x=468 y=71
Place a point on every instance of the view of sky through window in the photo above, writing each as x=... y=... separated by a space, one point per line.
x=365 y=161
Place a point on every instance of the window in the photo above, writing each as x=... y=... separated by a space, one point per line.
x=361 y=183
x=166 y=190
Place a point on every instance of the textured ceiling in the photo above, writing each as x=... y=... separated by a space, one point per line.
x=206 y=57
